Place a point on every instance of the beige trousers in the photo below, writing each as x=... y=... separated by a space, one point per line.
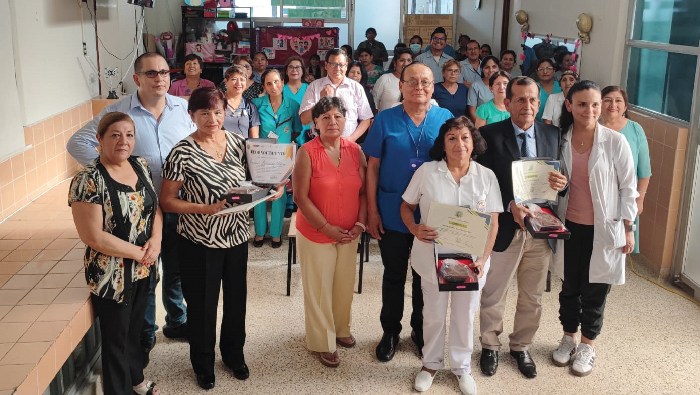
x=529 y=258
x=328 y=278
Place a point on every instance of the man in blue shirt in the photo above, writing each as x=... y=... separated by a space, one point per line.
x=161 y=121
x=436 y=57
x=396 y=145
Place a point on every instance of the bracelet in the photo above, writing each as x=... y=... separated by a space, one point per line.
x=361 y=225
x=322 y=226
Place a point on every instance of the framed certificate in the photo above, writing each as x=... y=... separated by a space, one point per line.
x=459 y=228
x=269 y=163
x=531 y=180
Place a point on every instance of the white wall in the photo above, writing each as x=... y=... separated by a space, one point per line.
x=11 y=132
x=384 y=16
x=482 y=25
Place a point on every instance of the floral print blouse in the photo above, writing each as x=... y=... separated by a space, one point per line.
x=105 y=274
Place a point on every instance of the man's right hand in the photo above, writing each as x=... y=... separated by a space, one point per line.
x=327 y=91
x=519 y=213
x=375 y=227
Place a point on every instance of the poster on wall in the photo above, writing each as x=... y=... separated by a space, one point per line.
x=284 y=42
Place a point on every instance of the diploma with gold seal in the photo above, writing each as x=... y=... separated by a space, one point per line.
x=531 y=180
x=459 y=228
x=269 y=163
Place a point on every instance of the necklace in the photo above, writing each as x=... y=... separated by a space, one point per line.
x=581 y=143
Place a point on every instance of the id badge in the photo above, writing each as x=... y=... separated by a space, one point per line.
x=272 y=135
x=415 y=163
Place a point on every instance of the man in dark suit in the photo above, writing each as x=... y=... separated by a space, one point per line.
x=515 y=251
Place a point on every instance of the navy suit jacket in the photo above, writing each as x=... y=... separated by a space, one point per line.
x=502 y=149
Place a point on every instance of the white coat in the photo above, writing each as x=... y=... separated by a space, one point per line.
x=613 y=184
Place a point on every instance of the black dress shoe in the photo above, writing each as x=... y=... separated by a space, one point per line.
x=175 y=332
x=387 y=347
x=241 y=372
x=525 y=363
x=146 y=347
x=205 y=382
x=258 y=243
x=418 y=341
x=288 y=213
x=488 y=361
x=276 y=244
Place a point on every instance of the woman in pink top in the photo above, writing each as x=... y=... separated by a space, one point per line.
x=192 y=80
x=329 y=189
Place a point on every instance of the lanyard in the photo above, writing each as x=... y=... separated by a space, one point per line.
x=408 y=129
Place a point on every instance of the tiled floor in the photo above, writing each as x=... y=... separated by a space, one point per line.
x=43 y=297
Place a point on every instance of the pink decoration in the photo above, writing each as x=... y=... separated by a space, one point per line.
x=573 y=68
x=523 y=35
x=522 y=56
x=566 y=40
x=573 y=57
x=577 y=43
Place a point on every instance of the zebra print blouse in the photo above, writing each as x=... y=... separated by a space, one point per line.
x=205 y=181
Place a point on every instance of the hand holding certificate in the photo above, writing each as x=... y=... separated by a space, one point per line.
x=531 y=180
x=459 y=228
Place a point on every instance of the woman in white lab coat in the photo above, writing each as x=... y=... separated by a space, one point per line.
x=599 y=208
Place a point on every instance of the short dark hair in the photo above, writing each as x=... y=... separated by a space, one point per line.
x=370 y=30
x=474 y=41
x=346 y=48
x=363 y=71
x=110 y=119
x=261 y=53
x=486 y=60
x=520 y=81
x=508 y=51
x=315 y=56
x=244 y=58
x=235 y=69
x=544 y=60
x=500 y=73
x=366 y=50
x=487 y=46
x=268 y=72
x=304 y=70
x=418 y=37
x=192 y=56
x=326 y=104
x=335 y=52
x=613 y=88
x=205 y=99
x=437 y=152
x=147 y=55
x=567 y=118
x=437 y=30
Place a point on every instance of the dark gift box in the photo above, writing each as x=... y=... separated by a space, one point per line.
x=456 y=272
x=246 y=194
x=550 y=229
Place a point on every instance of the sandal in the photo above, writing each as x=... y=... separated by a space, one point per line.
x=329 y=362
x=149 y=389
x=347 y=342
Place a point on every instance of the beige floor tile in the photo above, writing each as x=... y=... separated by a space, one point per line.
x=4 y=348
x=73 y=295
x=11 y=376
x=62 y=244
x=75 y=254
x=24 y=353
x=30 y=385
x=22 y=256
x=4 y=253
x=68 y=267
x=69 y=234
x=10 y=245
x=50 y=255
x=40 y=296
x=46 y=369
x=27 y=313
x=43 y=331
x=78 y=281
x=20 y=234
x=55 y=281
x=47 y=234
x=10 y=332
x=11 y=267
x=4 y=310
x=4 y=278
x=37 y=267
x=23 y=281
x=10 y=297
x=35 y=244
x=60 y=312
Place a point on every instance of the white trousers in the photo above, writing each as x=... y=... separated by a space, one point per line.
x=460 y=345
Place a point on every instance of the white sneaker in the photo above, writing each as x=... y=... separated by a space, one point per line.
x=423 y=381
x=467 y=384
x=583 y=363
x=562 y=355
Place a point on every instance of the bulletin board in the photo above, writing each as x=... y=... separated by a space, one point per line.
x=281 y=42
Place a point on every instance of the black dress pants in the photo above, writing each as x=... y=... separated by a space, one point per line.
x=581 y=302
x=120 y=327
x=395 y=248
x=203 y=272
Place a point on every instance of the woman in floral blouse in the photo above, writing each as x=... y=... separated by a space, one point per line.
x=115 y=210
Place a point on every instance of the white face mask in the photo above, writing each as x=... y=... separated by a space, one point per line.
x=415 y=48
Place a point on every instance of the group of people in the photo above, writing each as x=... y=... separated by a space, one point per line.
x=157 y=168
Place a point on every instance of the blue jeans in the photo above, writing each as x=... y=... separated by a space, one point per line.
x=175 y=311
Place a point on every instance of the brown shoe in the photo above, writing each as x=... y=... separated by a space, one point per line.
x=347 y=342
x=329 y=359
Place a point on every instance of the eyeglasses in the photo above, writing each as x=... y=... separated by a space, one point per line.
x=336 y=65
x=154 y=73
x=452 y=71
x=545 y=69
x=439 y=39
x=293 y=67
x=414 y=83
x=245 y=65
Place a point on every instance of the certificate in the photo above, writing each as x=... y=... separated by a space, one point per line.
x=531 y=180
x=459 y=228
x=247 y=206
x=269 y=163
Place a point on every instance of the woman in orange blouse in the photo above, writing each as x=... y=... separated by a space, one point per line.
x=329 y=189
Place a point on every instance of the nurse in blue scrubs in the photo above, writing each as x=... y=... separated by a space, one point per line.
x=279 y=119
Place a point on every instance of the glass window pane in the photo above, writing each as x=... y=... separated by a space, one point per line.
x=667 y=21
x=314 y=9
x=662 y=81
x=430 y=7
x=261 y=9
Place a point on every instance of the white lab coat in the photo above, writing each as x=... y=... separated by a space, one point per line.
x=613 y=184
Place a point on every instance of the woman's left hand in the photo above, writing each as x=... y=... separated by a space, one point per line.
x=479 y=264
x=557 y=181
x=279 y=191
x=353 y=233
x=152 y=251
x=629 y=242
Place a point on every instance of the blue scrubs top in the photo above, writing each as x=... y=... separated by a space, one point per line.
x=285 y=122
x=297 y=98
x=543 y=98
x=456 y=103
x=388 y=139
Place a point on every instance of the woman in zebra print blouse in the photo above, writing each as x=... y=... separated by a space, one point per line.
x=213 y=249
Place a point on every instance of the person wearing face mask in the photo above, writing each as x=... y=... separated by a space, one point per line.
x=555 y=101
x=415 y=45
x=376 y=48
x=192 y=80
x=546 y=83
x=599 y=209
x=471 y=66
x=508 y=63
x=161 y=121
x=494 y=110
x=435 y=57
x=480 y=93
x=386 y=91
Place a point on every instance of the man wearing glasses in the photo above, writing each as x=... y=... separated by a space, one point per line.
x=436 y=57
x=161 y=121
x=359 y=113
x=471 y=66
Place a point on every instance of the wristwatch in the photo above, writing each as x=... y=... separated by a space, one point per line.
x=632 y=228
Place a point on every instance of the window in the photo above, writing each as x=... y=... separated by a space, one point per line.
x=667 y=21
